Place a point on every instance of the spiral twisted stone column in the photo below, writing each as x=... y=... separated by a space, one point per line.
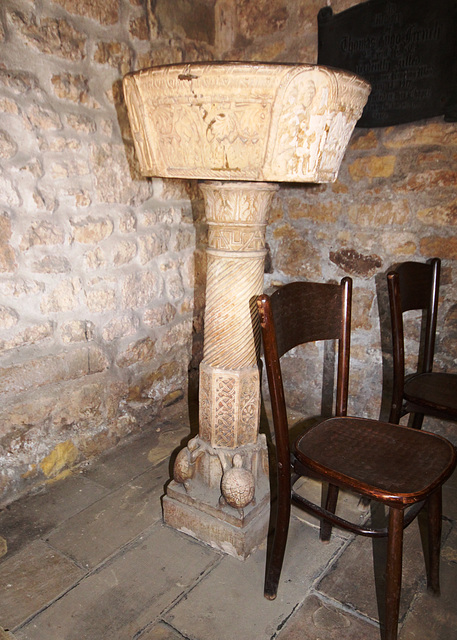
x=229 y=377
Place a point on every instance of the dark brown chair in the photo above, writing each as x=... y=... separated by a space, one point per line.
x=415 y=285
x=401 y=468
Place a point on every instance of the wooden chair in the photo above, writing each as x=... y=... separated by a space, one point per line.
x=394 y=465
x=415 y=285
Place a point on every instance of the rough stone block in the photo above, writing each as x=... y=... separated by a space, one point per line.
x=8 y=146
x=294 y=255
x=140 y=351
x=106 y=12
x=415 y=135
x=91 y=230
x=8 y=317
x=354 y=263
x=64 y=297
x=116 y=54
x=30 y=335
x=378 y=214
x=141 y=289
x=68 y=365
x=194 y=19
x=124 y=252
x=51 y=36
x=372 y=167
x=443 y=215
x=100 y=300
x=42 y=233
x=443 y=246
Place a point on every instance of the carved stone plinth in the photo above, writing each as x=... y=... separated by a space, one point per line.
x=249 y=124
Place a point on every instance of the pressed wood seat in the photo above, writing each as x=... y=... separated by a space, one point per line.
x=415 y=286
x=399 y=467
x=388 y=462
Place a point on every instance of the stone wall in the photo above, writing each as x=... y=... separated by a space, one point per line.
x=96 y=262
x=101 y=271
x=395 y=200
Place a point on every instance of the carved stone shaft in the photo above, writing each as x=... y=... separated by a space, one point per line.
x=229 y=378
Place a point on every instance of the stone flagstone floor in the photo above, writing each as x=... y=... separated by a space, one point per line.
x=89 y=558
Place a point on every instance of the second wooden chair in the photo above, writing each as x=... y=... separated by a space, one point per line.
x=399 y=467
x=416 y=286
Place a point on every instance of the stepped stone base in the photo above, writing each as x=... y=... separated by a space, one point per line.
x=235 y=532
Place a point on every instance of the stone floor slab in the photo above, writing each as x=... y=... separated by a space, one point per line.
x=34 y=516
x=319 y=619
x=433 y=617
x=349 y=505
x=228 y=603
x=357 y=580
x=97 y=532
x=128 y=461
x=170 y=442
x=159 y=631
x=128 y=593
x=32 y=578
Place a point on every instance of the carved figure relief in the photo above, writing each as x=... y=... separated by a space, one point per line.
x=184 y=467
x=238 y=485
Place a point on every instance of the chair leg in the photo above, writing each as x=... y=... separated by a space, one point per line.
x=276 y=557
x=434 y=541
x=394 y=416
x=418 y=419
x=393 y=572
x=330 y=505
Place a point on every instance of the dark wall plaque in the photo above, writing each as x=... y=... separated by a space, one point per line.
x=407 y=49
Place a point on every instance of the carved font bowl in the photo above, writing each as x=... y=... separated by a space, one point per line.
x=243 y=121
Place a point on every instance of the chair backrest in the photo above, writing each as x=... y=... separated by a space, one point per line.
x=295 y=314
x=414 y=285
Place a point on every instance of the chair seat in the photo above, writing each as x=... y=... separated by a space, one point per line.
x=435 y=391
x=392 y=463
